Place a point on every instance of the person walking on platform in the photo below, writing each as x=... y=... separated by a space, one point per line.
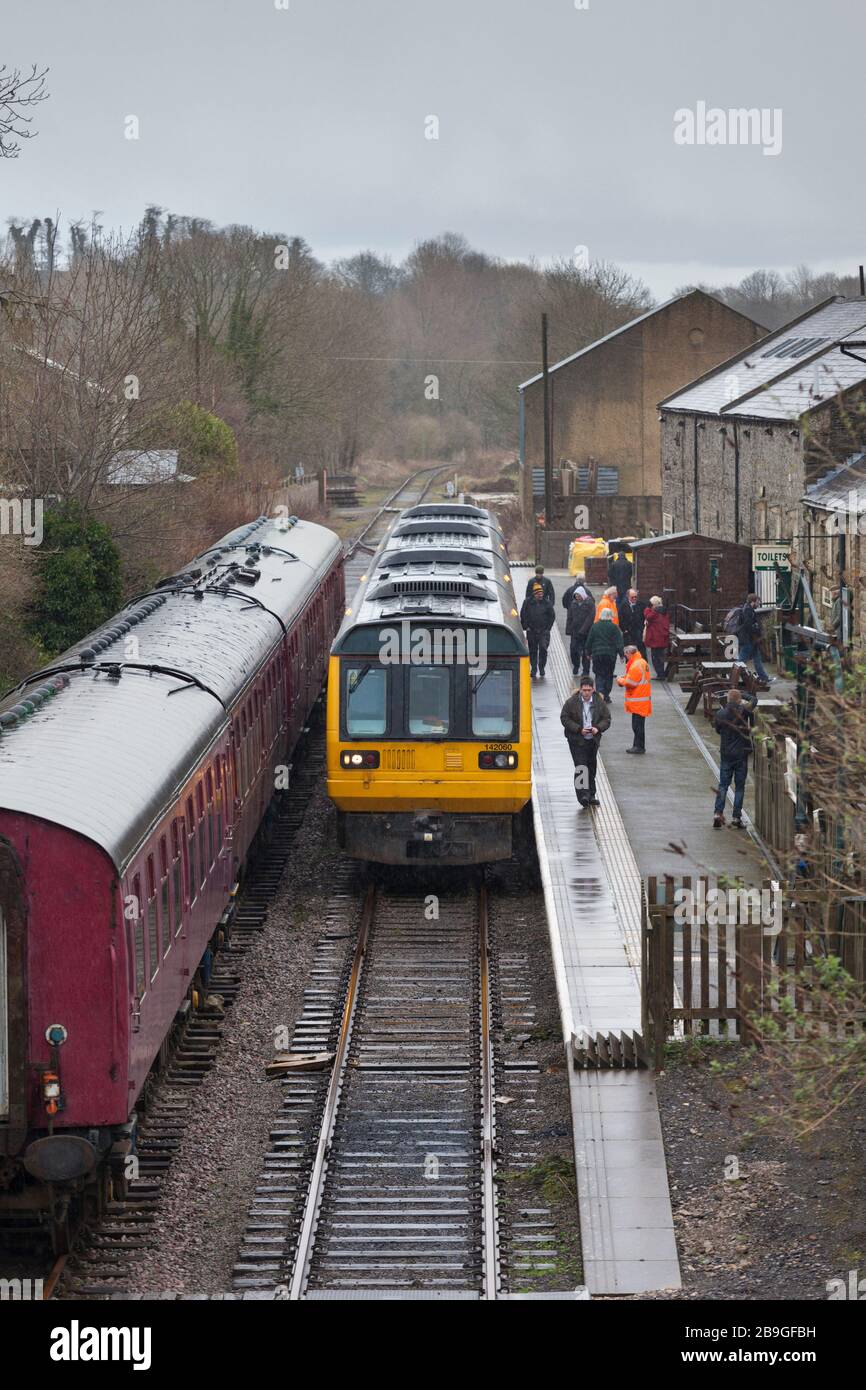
x=638 y=696
x=749 y=638
x=546 y=584
x=537 y=617
x=657 y=634
x=604 y=644
x=579 y=619
x=579 y=582
x=631 y=620
x=733 y=724
x=607 y=604
x=620 y=571
x=585 y=717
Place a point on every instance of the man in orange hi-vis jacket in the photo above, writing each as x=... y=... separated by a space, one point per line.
x=608 y=600
x=638 y=696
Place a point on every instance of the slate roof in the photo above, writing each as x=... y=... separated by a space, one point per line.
x=788 y=373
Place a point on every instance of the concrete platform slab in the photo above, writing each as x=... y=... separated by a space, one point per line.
x=592 y=893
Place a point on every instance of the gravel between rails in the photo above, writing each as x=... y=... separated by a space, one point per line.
x=203 y=1209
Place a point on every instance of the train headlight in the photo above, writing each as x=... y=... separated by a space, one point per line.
x=360 y=759
x=497 y=761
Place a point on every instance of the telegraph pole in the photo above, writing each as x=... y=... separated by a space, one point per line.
x=548 y=459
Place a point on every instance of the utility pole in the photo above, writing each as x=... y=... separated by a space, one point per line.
x=548 y=459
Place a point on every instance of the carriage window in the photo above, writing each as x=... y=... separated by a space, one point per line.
x=429 y=699
x=366 y=696
x=164 y=908
x=176 y=878
x=138 y=931
x=493 y=702
x=152 y=931
x=190 y=825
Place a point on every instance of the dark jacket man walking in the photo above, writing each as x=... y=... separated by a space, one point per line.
x=546 y=584
x=580 y=616
x=537 y=617
x=734 y=725
x=749 y=638
x=585 y=717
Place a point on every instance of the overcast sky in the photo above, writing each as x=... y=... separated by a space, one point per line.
x=556 y=124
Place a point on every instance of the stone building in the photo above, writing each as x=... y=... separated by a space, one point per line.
x=740 y=446
x=603 y=399
x=832 y=549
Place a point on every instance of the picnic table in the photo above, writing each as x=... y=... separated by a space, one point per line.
x=712 y=677
x=686 y=649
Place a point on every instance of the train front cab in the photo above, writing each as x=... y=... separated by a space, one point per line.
x=429 y=761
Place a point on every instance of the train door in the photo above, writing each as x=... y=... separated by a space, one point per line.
x=13 y=1003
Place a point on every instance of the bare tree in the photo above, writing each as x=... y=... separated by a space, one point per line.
x=19 y=93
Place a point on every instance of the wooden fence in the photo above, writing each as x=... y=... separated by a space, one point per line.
x=714 y=961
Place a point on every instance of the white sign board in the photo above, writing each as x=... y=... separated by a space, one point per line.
x=775 y=555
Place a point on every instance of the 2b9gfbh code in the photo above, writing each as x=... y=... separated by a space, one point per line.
x=715 y=1334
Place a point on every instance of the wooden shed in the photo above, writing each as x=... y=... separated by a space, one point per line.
x=693 y=574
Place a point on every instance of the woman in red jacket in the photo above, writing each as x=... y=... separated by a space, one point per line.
x=657 y=634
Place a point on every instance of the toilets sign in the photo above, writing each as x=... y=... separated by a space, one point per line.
x=772 y=556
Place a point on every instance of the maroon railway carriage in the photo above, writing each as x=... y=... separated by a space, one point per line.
x=134 y=774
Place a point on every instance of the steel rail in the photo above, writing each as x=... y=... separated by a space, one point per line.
x=307 y=1235
x=54 y=1277
x=490 y=1216
x=358 y=540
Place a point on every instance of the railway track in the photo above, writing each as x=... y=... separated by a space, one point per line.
x=382 y=1171
x=408 y=494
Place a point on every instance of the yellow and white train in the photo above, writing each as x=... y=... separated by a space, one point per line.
x=429 y=724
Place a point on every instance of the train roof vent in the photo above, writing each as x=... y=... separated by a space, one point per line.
x=446 y=509
x=438 y=556
x=433 y=586
x=440 y=527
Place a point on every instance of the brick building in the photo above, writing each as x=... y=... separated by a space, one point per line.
x=740 y=446
x=603 y=399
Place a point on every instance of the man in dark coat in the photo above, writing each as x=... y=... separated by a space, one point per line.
x=631 y=620
x=546 y=584
x=537 y=617
x=749 y=638
x=620 y=571
x=604 y=644
x=734 y=725
x=580 y=616
x=585 y=717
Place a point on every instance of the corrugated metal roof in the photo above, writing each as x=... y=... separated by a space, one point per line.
x=103 y=757
x=144 y=467
x=654 y=540
x=834 y=491
x=624 y=328
x=785 y=374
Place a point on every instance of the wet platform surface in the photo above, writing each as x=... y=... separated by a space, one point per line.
x=592 y=893
x=666 y=798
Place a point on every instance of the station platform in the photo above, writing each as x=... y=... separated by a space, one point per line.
x=592 y=887
x=665 y=799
